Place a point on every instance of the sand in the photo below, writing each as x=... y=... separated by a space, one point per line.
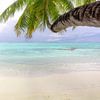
x=68 y=86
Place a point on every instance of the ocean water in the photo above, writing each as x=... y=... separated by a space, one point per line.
x=30 y=58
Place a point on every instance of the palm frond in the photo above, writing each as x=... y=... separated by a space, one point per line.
x=63 y=5
x=82 y=2
x=53 y=14
x=10 y=11
x=88 y=1
x=28 y=22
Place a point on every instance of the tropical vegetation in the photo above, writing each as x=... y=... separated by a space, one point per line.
x=38 y=14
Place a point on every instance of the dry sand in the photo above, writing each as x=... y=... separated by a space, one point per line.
x=71 y=86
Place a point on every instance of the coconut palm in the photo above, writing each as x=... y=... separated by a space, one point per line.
x=38 y=13
x=87 y=15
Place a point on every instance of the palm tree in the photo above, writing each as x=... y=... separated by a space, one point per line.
x=39 y=13
x=86 y=15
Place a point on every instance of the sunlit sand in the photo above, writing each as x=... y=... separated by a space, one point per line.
x=70 y=86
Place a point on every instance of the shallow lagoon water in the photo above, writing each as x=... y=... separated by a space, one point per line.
x=48 y=58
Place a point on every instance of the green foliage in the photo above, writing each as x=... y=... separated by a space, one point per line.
x=82 y=2
x=38 y=13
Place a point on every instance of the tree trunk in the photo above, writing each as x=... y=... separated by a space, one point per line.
x=87 y=15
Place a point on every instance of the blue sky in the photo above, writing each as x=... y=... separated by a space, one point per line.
x=80 y=34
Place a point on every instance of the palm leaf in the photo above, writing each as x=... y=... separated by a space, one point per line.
x=10 y=11
x=82 y=2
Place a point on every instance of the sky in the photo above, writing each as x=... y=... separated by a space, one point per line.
x=79 y=34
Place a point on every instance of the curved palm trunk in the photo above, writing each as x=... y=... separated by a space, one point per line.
x=87 y=15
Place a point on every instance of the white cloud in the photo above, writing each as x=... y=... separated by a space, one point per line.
x=54 y=35
x=53 y=40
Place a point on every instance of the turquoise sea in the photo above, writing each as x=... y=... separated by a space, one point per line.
x=43 y=50
x=30 y=58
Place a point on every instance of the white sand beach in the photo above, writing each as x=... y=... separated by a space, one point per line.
x=71 y=86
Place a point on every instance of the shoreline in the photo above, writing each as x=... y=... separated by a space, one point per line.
x=46 y=69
